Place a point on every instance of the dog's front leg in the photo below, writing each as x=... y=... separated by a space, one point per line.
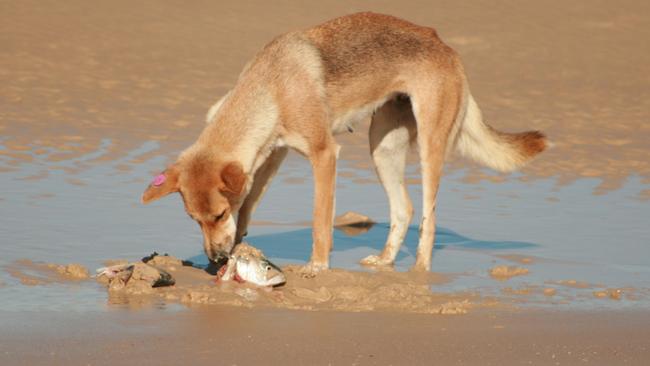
x=324 y=167
x=261 y=181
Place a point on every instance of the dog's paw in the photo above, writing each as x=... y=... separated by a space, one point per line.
x=310 y=269
x=375 y=260
x=420 y=267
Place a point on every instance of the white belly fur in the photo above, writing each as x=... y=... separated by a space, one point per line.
x=352 y=118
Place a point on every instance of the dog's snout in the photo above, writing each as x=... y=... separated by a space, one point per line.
x=220 y=255
x=217 y=252
x=216 y=249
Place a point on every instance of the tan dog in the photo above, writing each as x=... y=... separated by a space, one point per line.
x=307 y=86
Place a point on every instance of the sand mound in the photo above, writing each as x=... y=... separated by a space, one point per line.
x=351 y=218
x=330 y=290
x=611 y=293
x=168 y=262
x=353 y=223
x=34 y=273
x=504 y=272
x=140 y=277
x=74 y=270
x=549 y=291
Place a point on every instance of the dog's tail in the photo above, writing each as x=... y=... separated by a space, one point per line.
x=501 y=151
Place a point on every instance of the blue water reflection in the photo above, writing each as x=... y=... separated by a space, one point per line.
x=295 y=245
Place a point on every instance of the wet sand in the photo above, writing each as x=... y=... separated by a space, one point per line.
x=233 y=336
x=95 y=97
x=336 y=289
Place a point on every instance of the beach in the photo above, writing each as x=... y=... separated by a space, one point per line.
x=547 y=265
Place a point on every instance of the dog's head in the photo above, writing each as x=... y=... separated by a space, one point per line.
x=212 y=192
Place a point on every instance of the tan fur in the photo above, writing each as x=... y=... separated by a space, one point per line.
x=306 y=86
x=499 y=150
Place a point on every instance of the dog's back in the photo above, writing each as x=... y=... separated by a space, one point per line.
x=372 y=44
x=362 y=60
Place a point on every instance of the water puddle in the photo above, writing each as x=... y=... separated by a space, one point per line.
x=580 y=250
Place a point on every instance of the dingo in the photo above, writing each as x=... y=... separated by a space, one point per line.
x=305 y=87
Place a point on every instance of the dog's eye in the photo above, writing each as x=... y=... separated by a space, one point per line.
x=220 y=216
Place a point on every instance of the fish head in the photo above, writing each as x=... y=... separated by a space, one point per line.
x=259 y=271
x=272 y=273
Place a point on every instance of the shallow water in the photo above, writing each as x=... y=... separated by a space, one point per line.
x=568 y=232
x=95 y=99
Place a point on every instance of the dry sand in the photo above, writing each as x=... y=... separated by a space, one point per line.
x=76 y=73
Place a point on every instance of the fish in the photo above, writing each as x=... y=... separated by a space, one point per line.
x=113 y=271
x=251 y=268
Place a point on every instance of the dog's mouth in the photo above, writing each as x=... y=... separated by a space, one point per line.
x=221 y=271
x=217 y=256
x=217 y=266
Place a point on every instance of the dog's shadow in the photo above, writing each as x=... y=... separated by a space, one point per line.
x=295 y=246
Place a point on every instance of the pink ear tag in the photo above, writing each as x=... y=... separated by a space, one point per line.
x=159 y=180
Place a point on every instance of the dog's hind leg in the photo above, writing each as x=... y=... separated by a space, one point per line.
x=391 y=132
x=261 y=181
x=436 y=105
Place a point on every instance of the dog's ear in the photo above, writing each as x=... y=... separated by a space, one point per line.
x=162 y=185
x=233 y=178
